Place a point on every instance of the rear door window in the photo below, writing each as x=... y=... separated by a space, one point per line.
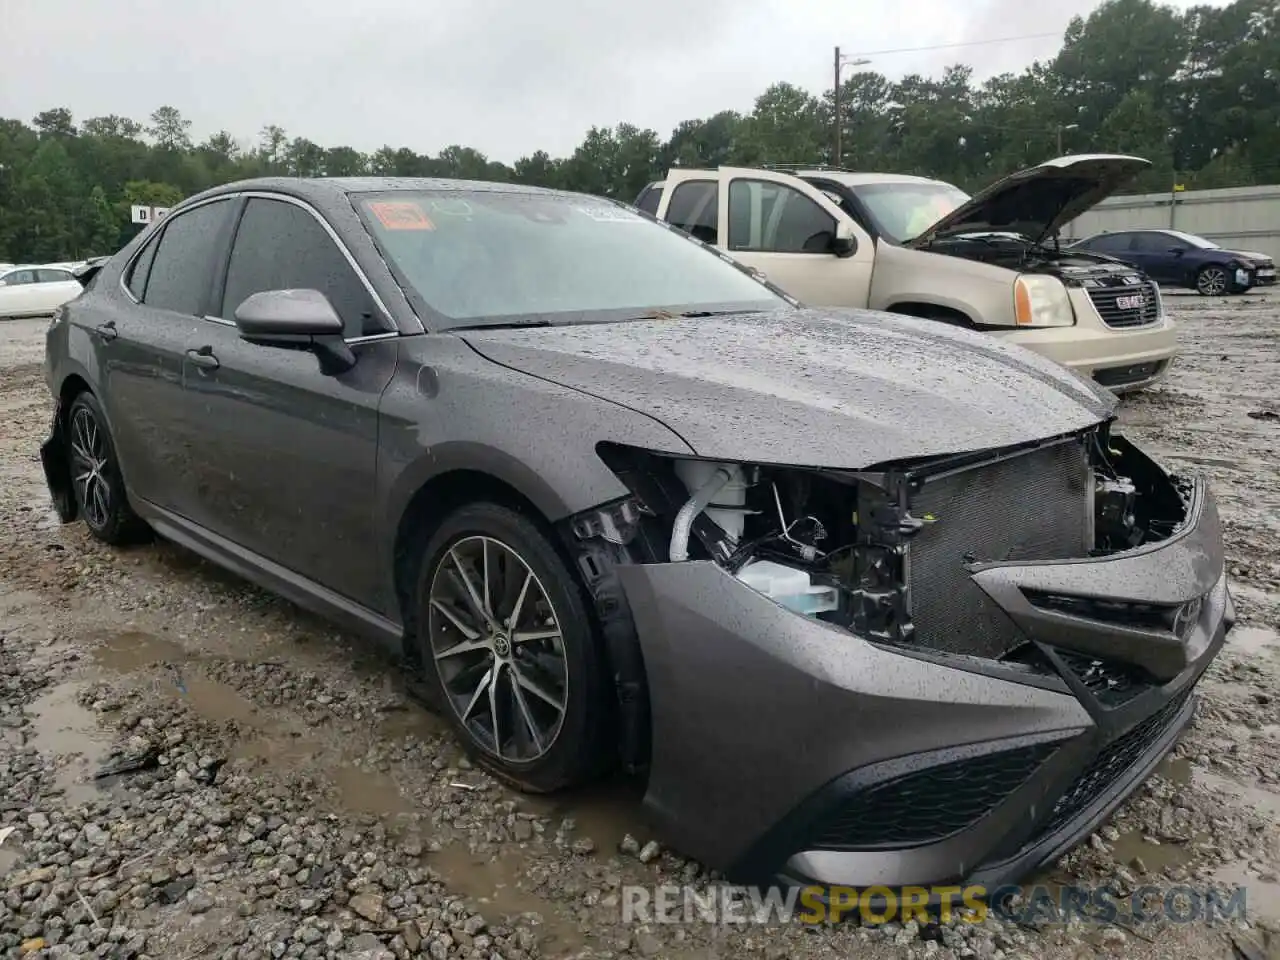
x=649 y=199
x=694 y=208
x=183 y=265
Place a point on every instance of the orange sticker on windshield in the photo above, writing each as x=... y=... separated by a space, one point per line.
x=401 y=215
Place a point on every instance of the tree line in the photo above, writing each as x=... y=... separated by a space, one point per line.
x=1196 y=92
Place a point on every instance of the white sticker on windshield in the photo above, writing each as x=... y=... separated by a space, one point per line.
x=450 y=208
x=610 y=215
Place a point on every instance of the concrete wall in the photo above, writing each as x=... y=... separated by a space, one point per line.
x=1244 y=218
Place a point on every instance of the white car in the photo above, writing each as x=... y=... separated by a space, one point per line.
x=35 y=291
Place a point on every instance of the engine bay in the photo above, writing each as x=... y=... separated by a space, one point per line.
x=1018 y=253
x=836 y=545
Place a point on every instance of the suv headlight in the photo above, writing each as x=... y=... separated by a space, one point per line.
x=1040 y=301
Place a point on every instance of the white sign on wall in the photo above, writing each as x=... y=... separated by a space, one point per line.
x=142 y=214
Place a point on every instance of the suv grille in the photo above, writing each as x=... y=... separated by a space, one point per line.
x=931 y=804
x=1127 y=305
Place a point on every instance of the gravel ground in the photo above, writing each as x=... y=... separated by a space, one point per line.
x=290 y=799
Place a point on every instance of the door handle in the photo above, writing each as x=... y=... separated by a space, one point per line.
x=107 y=331
x=203 y=357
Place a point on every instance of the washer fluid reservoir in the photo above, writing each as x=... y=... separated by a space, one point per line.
x=792 y=588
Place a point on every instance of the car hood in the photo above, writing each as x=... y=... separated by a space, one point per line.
x=1038 y=201
x=1252 y=255
x=835 y=388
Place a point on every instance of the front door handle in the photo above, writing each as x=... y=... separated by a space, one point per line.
x=107 y=331
x=203 y=357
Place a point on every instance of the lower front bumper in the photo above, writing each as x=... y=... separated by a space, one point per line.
x=1112 y=357
x=779 y=741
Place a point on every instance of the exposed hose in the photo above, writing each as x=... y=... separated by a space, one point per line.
x=695 y=505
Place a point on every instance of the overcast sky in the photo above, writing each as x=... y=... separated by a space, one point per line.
x=503 y=76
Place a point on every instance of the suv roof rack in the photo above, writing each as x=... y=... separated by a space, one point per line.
x=791 y=167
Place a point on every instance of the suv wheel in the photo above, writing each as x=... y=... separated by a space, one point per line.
x=509 y=650
x=96 y=482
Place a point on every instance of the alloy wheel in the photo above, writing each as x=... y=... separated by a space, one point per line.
x=498 y=649
x=1212 y=281
x=89 y=463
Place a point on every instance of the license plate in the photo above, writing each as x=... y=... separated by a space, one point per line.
x=1131 y=303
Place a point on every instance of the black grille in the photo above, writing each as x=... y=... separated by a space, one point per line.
x=931 y=804
x=1126 y=305
x=1111 y=763
x=1029 y=507
x=1111 y=683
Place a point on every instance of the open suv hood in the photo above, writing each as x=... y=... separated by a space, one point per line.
x=1038 y=201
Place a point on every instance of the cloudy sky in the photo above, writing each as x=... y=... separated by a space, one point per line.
x=503 y=76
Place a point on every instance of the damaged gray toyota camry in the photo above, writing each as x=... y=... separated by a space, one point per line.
x=862 y=598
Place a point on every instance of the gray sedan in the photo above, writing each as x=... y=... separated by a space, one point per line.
x=863 y=599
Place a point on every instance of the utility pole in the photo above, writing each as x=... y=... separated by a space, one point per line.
x=838 y=118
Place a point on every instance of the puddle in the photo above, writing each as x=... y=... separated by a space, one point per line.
x=128 y=650
x=412 y=721
x=1262 y=899
x=494 y=883
x=369 y=792
x=1156 y=857
x=61 y=726
x=604 y=812
x=1253 y=640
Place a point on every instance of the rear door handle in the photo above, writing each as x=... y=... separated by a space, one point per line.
x=203 y=357
x=107 y=331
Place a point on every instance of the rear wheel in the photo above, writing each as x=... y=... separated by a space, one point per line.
x=1212 y=281
x=509 y=650
x=96 y=482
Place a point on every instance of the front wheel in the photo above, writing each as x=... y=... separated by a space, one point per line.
x=509 y=650
x=1212 y=281
x=96 y=481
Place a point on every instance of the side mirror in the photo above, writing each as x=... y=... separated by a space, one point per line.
x=845 y=243
x=296 y=320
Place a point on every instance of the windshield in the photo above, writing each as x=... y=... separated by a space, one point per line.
x=492 y=257
x=1195 y=241
x=906 y=209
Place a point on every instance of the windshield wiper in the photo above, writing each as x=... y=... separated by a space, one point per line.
x=503 y=325
x=690 y=314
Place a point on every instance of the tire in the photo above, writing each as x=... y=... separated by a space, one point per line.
x=560 y=661
x=1213 y=281
x=96 y=482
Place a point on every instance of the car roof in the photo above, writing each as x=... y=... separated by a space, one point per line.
x=330 y=188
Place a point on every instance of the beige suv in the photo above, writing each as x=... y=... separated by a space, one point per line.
x=925 y=248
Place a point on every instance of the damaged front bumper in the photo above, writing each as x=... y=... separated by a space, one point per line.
x=783 y=746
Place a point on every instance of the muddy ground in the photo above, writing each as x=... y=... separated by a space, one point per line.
x=299 y=803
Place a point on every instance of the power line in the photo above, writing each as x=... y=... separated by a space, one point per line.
x=952 y=46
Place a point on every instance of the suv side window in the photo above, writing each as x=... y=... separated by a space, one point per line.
x=694 y=208
x=767 y=217
x=281 y=246
x=649 y=199
x=182 y=266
